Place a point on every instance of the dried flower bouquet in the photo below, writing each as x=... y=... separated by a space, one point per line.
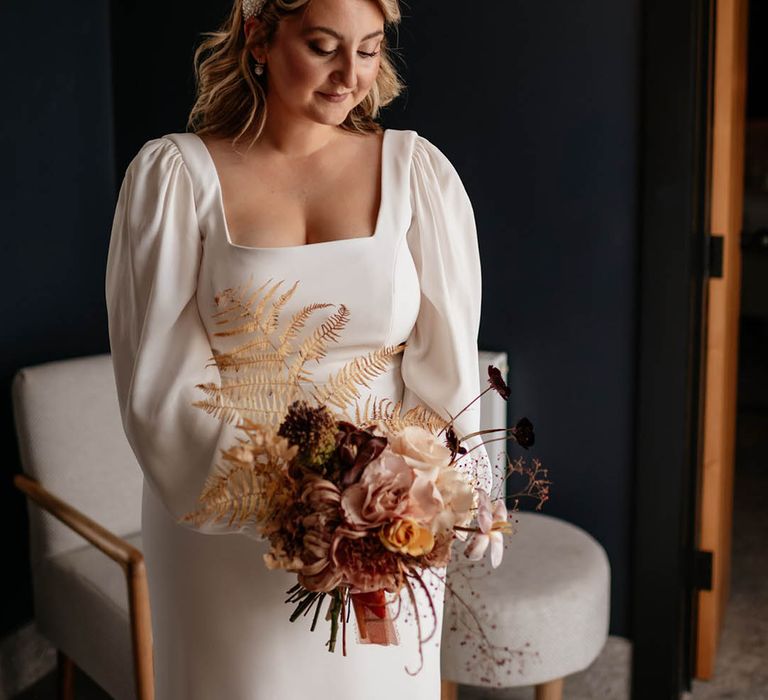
x=359 y=507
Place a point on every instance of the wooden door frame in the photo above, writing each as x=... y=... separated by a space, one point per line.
x=673 y=252
x=719 y=429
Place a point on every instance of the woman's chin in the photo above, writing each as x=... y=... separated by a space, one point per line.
x=332 y=117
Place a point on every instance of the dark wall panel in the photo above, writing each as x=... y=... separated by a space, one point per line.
x=537 y=108
x=757 y=61
x=56 y=180
x=154 y=86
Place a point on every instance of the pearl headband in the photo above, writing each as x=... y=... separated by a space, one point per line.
x=251 y=8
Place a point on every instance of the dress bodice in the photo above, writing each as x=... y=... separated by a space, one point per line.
x=374 y=276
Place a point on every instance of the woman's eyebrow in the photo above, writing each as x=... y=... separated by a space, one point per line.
x=335 y=34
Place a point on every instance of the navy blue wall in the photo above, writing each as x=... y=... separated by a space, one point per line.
x=535 y=104
x=56 y=204
x=537 y=109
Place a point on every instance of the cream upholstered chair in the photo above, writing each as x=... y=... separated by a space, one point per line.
x=90 y=591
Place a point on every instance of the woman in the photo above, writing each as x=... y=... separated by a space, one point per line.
x=284 y=176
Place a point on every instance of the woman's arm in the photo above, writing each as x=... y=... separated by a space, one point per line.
x=440 y=363
x=159 y=344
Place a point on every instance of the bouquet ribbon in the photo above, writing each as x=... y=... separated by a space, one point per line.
x=373 y=619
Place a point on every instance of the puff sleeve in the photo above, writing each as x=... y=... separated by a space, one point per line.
x=440 y=361
x=159 y=344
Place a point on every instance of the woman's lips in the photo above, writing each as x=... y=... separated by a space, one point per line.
x=334 y=98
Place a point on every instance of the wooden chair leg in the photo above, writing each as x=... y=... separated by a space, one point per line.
x=550 y=691
x=141 y=630
x=65 y=673
x=449 y=690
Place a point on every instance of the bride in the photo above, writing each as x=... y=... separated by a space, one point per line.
x=284 y=174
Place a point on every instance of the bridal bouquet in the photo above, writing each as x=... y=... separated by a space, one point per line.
x=358 y=507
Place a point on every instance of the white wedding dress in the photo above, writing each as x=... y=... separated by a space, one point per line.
x=220 y=626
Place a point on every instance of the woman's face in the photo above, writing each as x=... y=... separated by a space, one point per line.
x=332 y=48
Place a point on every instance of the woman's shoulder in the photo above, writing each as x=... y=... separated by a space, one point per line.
x=172 y=145
x=172 y=156
x=408 y=139
x=156 y=155
x=422 y=153
x=428 y=162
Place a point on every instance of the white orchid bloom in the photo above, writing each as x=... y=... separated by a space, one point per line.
x=493 y=524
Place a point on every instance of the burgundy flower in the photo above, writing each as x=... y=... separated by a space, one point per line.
x=355 y=449
x=523 y=432
x=497 y=382
x=452 y=442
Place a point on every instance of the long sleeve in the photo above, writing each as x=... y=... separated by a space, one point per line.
x=440 y=362
x=159 y=345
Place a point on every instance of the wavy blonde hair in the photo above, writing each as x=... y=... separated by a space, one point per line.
x=231 y=99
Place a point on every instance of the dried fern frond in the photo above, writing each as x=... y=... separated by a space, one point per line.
x=426 y=417
x=234 y=303
x=241 y=359
x=315 y=346
x=263 y=398
x=388 y=413
x=226 y=414
x=274 y=315
x=254 y=483
x=263 y=375
x=298 y=321
x=341 y=388
x=236 y=496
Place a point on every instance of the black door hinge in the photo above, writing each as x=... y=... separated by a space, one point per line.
x=715 y=263
x=702 y=570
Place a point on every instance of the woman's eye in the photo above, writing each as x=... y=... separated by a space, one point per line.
x=321 y=52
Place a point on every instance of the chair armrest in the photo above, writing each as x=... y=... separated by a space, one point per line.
x=113 y=546
x=129 y=558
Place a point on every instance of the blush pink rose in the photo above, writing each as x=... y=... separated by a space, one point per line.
x=381 y=494
x=421 y=450
x=389 y=489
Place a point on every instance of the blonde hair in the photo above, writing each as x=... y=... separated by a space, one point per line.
x=231 y=100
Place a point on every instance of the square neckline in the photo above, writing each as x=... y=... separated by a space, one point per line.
x=383 y=172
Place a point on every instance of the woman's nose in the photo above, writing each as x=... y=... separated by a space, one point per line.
x=345 y=72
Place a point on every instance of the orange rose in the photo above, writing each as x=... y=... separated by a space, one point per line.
x=408 y=537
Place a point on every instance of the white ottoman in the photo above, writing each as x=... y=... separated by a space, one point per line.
x=549 y=599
